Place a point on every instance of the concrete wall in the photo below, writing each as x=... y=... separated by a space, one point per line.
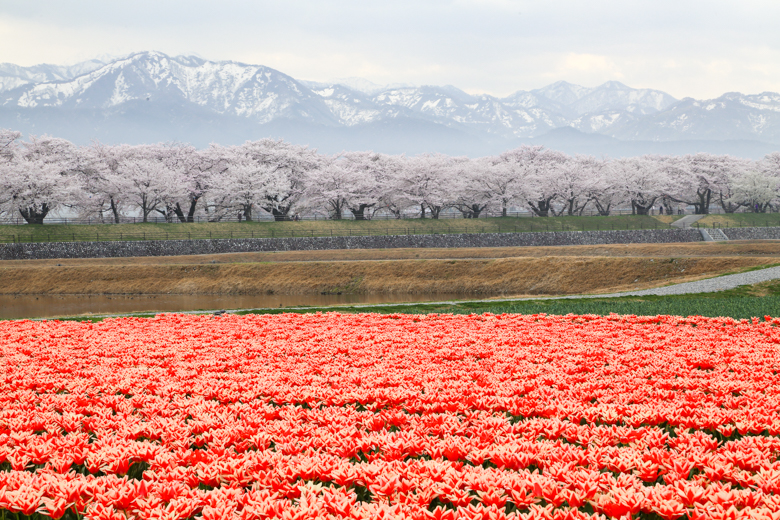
x=201 y=247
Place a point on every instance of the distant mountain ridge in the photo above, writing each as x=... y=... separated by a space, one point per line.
x=152 y=96
x=13 y=76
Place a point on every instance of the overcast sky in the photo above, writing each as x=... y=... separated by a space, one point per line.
x=684 y=47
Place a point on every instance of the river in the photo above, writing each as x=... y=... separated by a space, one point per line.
x=47 y=306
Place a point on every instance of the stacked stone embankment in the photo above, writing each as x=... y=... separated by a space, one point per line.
x=752 y=233
x=46 y=250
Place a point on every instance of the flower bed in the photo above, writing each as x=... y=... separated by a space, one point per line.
x=367 y=416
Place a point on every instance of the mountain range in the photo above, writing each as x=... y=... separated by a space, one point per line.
x=150 y=96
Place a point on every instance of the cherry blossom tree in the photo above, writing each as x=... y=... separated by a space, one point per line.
x=148 y=181
x=756 y=189
x=500 y=180
x=217 y=201
x=695 y=179
x=726 y=170
x=331 y=186
x=182 y=183
x=391 y=197
x=103 y=190
x=37 y=177
x=472 y=186
x=577 y=182
x=289 y=166
x=770 y=164
x=426 y=182
x=7 y=140
x=537 y=170
x=193 y=170
x=367 y=170
x=770 y=167
x=8 y=150
x=243 y=182
x=642 y=181
x=604 y=186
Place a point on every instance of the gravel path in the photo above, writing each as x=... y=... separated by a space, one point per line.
x=685 y=222
x=720 y=283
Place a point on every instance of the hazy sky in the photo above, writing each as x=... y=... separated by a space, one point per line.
x=685 y=47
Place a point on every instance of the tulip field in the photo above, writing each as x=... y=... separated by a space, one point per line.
x=366 y=416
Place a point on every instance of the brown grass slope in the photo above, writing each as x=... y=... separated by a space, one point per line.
x=501 y=276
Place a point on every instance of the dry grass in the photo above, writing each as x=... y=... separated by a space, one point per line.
x=469 y=271
x=741 y=220
x=499 y=276
x=667 y=219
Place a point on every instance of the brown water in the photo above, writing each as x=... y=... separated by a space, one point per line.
x=31 y=306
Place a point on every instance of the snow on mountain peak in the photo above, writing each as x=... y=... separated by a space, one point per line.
x=190 y=86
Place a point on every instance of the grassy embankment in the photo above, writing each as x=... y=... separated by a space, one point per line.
x=475 y=272
x=754 y=301
x=741 y=220
x=265 y=229
x=743 y=302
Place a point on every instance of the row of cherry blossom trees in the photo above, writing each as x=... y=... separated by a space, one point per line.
x=181 y=183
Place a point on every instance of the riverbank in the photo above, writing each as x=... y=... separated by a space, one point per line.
x=337 y=277
x=549 y=275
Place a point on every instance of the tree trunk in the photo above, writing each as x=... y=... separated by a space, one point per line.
x=702 y=207
x=667 y=204
x=280 y=215
x=602 y=209
x=247 y=209
x=642 y=208
x=360 y=211
x=179 y=213
x=542 y=207
x=114 y=210
x=33 y=216
x=422 y=210
x=190 y=216
x=476 y=210
x=145 y=209
x=167 y=213
x=336 y=210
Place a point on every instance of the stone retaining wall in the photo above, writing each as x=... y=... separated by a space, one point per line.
x=752 y=233
x=202 y=247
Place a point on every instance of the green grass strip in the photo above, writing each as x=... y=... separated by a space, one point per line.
x=322 y=228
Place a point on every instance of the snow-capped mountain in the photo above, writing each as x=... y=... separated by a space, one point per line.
x=13 y=76
x=152 y=96
x=229 y=88
x=731 y=116
x=357 y=84
x=612 y=95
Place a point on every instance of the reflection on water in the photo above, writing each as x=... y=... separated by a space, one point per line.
x=32 y=306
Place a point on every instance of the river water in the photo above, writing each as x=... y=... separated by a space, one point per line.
x=38 y=306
